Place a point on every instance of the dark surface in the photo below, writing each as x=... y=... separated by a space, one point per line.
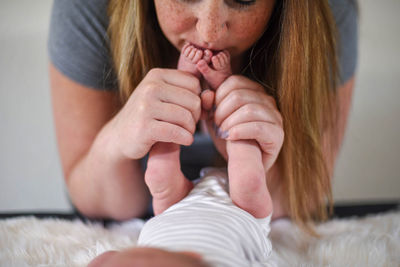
x=340 y=211
x=360 y=210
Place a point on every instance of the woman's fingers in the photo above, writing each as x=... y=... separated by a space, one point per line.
x=238 y=98
x=181 y=97
x=235 y=82
x=269 y=136
x=176 y=87
x=263 y=132
x=177 y=78
x=249 y=113
x=175 y=114
x=207 y=103
x=161 y=131
x=207 y=99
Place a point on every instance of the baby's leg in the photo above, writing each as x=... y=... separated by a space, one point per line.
x=219 y=70
x=247 y=180
x=164 y=177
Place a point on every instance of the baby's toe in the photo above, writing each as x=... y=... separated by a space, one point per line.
x=198 y=55
x=216 y=62
x=207 y=56
x=184 y=47
x=192 y=54
x=202 y=66
x=225 y=56
x=187 y=50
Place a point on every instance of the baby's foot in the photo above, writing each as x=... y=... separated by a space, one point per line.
x=219 y=70
x=188 y=59
x=164 y=177
x=247 y=180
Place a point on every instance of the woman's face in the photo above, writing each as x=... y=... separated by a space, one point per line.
x=234 y=25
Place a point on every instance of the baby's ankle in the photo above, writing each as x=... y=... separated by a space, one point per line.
x=247 y=178
x=249 y=191
x=164 y=177
x=163 y=161
x=173 y=194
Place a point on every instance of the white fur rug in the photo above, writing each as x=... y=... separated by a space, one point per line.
x=371 y=241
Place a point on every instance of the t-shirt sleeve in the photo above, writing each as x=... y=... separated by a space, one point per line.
x=345 y=13
x=78 y=45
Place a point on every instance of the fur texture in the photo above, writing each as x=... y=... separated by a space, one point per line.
x=371 y=241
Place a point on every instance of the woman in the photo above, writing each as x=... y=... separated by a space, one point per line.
x=284 y=64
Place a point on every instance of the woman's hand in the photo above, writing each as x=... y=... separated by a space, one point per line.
x=164 y=107
x=245 y=112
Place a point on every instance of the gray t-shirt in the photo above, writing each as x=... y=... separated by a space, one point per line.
x=79 y=46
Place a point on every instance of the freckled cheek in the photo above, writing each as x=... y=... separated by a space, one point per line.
x=174 y=23
x=249 y=30
x=181 y=25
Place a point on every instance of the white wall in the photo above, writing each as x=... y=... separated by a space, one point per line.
x=368 y=167
x=30 y=174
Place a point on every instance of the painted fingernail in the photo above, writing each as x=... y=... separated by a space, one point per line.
x=222 y=134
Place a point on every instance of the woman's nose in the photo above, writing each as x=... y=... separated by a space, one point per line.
x=212 y=22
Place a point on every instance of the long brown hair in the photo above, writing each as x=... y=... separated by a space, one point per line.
x=295 y=60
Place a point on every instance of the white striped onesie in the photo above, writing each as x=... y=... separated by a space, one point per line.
x=207 y=222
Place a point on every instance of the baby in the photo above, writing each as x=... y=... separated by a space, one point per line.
x=204 y=229
x=247 y=180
